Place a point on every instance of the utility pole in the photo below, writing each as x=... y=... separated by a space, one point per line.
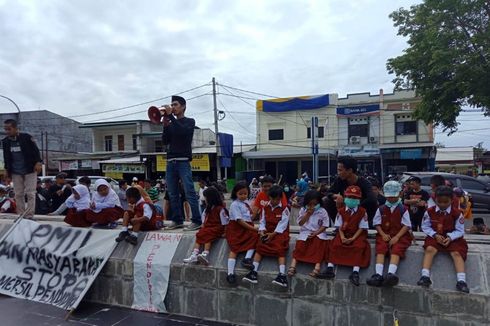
x=218 y=167
x=314 y=147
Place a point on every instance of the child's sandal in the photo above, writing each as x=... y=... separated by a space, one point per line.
x=291 y=271
x=315 y=273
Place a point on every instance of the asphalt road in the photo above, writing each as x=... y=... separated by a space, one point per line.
x=18 y=312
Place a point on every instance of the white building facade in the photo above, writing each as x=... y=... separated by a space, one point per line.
x=379 y=130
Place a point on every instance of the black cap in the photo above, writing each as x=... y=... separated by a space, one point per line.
x=414 y=178
x=61 y=175
x=179 y=99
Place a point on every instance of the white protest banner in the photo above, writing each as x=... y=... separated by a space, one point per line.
x=152 y=270
x=52 y=264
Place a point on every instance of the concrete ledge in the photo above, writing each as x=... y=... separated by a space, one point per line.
x=203 y=291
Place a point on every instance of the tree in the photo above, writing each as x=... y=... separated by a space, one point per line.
x=448 y=58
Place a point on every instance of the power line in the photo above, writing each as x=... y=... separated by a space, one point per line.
x=245 y=91
x=135 y=105
x=238 y=122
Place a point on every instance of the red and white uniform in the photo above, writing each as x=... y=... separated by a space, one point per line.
x=274 y=219
x=312 y=249
x=151 y=222
x=213 y=225
x=7 y=205
x=448 y=223
x=107 y=208
x=240 y=239
x=357 y=253
x=76 y=214
x=391 y=220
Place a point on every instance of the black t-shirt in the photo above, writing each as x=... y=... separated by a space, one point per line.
x=178 y=136
x=414 y=210
x=368 y=201
x=57 y=200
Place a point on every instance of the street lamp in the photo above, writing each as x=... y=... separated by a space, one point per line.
x=9 y=99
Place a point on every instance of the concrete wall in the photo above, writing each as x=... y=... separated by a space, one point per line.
x=203 y=292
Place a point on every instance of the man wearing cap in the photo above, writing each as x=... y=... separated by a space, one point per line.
x=22 y=164
x=347 y=176
x=416 y=198
x=177 y=136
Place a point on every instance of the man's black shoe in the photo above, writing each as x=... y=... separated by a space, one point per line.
x=132 y=239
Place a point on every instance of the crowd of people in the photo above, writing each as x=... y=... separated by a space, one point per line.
x=352 y=205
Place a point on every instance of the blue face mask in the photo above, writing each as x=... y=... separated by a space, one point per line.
x=286 y=189
x=390 y=204
x=317 y=207
x=352 y=202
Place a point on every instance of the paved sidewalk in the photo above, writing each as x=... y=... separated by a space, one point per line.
x=18 y=312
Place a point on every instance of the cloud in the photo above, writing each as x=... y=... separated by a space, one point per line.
x=79 y=57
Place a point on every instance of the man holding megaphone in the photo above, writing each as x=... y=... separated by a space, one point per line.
x=178 y=132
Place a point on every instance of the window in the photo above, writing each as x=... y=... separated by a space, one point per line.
x=405 y=125
x=276 y=134
x=108 y=143
x=135 y=142
x=158 y=146
x=120 y=142
x=469 y=185
x=359 y=130
x=321 y=132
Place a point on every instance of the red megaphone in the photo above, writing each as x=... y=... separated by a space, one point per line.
x=156 y=116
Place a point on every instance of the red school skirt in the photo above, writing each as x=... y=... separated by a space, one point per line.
x=105 y=216
x=240 y=239
x=311 y=250
x=208 y=234
x=357 y=253
x=75 y=218
x=399 y=248
x=458 y=245
x=277 y=247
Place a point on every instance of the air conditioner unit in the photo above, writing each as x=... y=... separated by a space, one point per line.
x=373 y=140
x=355 y=140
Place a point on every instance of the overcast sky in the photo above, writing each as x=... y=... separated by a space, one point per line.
x=80 y=57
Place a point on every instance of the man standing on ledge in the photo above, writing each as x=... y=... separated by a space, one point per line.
x=22 y=164
x=177 y=135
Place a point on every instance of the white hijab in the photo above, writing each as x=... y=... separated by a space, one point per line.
x=83 y=202
x=111 y=198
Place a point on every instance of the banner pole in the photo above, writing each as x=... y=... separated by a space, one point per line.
x=16 y=221
x=68 y=315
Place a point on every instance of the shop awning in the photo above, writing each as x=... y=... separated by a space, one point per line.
x=286 y=153
x=124 y=160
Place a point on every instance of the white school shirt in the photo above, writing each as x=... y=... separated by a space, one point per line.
x=283 y=223
x=456 y=234
x=222 y=215
x=431 y=202
x=363 y=224
x=318 y=219
x=6 y=205
x=405 y=217
x=147 y=211
x=240 y=211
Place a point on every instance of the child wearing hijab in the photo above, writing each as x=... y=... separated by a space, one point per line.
x=105 y=207
x=78 y=204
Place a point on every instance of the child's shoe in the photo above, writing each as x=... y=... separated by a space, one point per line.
x=191 y=260
x=231 y=278
x=281 y=280
x=462 y=287
x=122 y=236
x=391 y=280
x=354 y=278
x=375 y=280
x=251 y=277
x=248 y=263
x=425 y=282
x=132 y=239
x=203 y=259
x=330 y=273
